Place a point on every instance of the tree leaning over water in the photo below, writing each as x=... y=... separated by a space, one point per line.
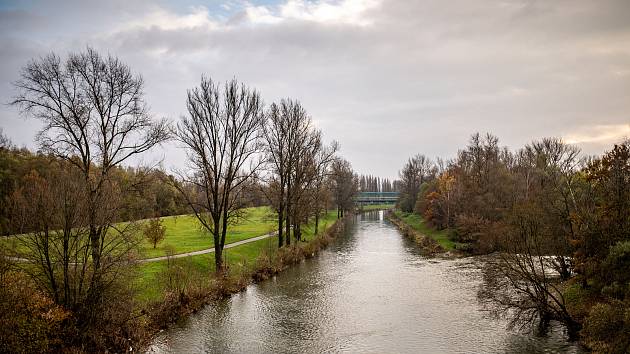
x=222 y=137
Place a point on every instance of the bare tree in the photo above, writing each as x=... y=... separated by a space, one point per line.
x=345 y=185
x=54 y=207
x=95 y=118
x=297 y=159
x=551 y=185
x=222 y=136
x=321 y=193
x=308 y=173
x=523 y=281
x=416 y=171
x=5 y=142
x=276 y=132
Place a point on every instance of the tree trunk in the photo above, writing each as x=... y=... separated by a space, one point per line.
x=316 y=221
x=288 y=226
x=281 y=213
x=218 y=260
x=224 y=231
x=280 y=227
x=288 y=213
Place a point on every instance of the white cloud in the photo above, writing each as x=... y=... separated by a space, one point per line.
x=346 y=11
x=198 y=17
x=602 y=134
x=261 y=15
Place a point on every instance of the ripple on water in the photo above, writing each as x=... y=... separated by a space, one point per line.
x=370 y=292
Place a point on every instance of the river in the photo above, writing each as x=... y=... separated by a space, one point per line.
x=371 y=291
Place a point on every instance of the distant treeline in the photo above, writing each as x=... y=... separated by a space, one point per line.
x=147 y=193
x=369 y=183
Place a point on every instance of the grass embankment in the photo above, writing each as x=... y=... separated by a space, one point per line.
x=417 y=223
x=193 y=282
x=240 y=260
x=375 y=207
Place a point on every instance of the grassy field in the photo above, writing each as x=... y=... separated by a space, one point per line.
x=184 y=233
x=150 y=285
x=417 y=223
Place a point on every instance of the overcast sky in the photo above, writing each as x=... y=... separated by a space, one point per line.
x=385 y=78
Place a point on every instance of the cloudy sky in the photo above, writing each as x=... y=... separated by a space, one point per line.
x=385 y=78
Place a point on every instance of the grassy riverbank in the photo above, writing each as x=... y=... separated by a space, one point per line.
x=239 y=260
x=375 y=207
x=170 y=291
x=417 y=223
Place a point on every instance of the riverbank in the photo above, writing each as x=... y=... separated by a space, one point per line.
x=601 y=321
x=374 y=207
x=190 y=287
x=431 y=241
x=370 y=290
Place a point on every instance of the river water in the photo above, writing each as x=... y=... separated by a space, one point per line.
x=371 y=291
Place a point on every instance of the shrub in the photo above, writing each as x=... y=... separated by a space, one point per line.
x=30 y=322
x=607 y=326
x=615 y=271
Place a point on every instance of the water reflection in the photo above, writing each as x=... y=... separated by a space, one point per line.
x=369 y=292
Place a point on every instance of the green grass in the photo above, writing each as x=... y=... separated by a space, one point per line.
x=185 y=234
x=416 y=222
x=376 y=207
x=241 y=257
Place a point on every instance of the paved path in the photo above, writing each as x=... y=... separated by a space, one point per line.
x=182 y=255
x=209 y=250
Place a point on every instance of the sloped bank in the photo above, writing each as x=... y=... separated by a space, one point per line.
x=427 y=244
x=179 y=303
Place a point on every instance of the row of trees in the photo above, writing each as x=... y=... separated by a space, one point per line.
x=68 y=200
x=557 y=219
x=369 y=183
x=232 y=140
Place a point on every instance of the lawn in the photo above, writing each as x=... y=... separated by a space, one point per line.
x=150 y=285
x=185 y=234
x=417 y=223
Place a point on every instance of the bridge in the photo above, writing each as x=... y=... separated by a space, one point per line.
x=367 y=198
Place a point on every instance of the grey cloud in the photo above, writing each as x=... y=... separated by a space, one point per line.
x=421 y=78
